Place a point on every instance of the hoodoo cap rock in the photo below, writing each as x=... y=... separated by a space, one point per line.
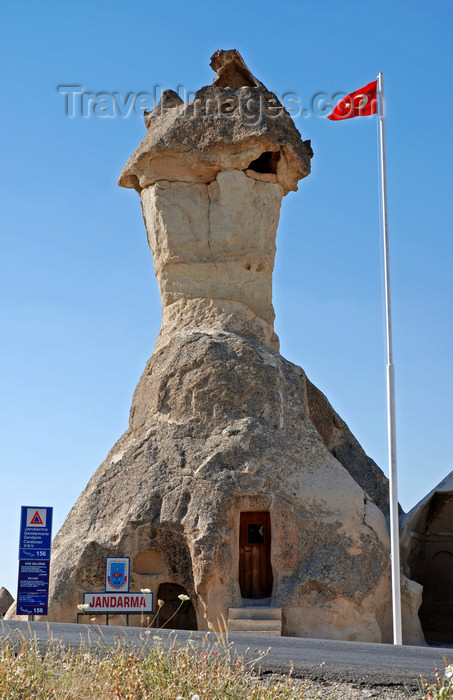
x=234 y=124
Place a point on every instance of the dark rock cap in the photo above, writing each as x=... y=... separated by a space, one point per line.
x=235 y=123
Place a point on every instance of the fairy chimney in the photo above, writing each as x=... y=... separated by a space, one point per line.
x=236 y=482
x=211 y=175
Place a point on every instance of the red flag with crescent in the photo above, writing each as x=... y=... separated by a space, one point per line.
x=361 y=103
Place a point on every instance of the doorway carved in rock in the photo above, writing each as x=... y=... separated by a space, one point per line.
x=255 y=571
x=430 y=563
x=178 y=616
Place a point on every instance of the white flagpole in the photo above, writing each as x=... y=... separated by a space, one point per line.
x=391 y=422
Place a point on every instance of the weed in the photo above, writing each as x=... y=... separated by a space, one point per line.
x=165 y=671
x=442 y=688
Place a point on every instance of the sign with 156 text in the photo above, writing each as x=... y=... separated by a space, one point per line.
x=35 y=533
x=34 y=560
x=33 y=587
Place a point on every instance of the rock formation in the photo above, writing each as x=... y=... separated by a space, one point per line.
x=427 y=553
x=221 y=425
x=6 y=600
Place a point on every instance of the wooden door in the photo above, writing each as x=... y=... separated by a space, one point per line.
x=255 y=572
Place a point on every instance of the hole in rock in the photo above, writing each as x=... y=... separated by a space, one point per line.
x=185 y=618
x=266 y=163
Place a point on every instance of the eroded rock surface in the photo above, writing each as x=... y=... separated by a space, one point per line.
x=6 y=600
x=214 y=241
x=221 y=424
x=234 y=124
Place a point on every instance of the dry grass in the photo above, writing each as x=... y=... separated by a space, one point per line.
x=161 y=672
x=169 y=670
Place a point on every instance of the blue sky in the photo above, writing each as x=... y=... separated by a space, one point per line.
x=80 y=310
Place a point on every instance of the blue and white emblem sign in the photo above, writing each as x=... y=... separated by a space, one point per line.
x=117 y=574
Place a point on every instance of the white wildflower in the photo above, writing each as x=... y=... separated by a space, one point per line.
x=449 y=672
x=83 y=606
x=183 y=597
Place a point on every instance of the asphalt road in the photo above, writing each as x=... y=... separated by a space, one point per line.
x=355 y=662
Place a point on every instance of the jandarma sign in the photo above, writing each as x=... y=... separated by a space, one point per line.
x=118 y=603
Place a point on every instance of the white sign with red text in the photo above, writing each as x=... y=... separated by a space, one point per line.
x=118 y=602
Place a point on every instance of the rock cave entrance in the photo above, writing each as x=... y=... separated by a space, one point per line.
x=255 y=570
x=431 y=564
x=266 y=162
x=185 y=618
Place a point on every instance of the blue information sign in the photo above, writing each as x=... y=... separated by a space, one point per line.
x=34 y=560
x=35 y=533
x=33 y=587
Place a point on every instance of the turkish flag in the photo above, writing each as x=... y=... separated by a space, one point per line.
x=361 y=103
